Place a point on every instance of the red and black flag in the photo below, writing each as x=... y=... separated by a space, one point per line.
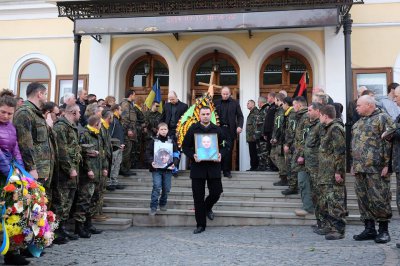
x=301 y=89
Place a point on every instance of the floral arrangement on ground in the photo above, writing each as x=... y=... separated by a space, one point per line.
x=27 y=221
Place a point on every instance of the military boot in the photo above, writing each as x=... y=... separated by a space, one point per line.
x=81 y=231
x=290 y=191
x=282 y=182
x=369 y=232
x=67 y=233
x=383 y=233
x=91 y=228
x=323 y=230
x=60 y=237
x=334 y=235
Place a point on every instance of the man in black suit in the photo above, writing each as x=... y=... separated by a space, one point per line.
x=231 y=122
x=172 y=112
x=202 y=171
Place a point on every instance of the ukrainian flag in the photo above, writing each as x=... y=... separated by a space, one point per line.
x=154 y=95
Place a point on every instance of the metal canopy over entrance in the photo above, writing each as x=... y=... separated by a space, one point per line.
x=136 y=16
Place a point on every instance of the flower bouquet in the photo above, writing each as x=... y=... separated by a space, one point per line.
x=25 y=216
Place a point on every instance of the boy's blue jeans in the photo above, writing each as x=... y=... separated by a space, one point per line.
x=161 y=181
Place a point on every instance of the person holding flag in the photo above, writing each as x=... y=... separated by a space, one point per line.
x=301 y=89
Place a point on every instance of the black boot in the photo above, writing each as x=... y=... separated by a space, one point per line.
x=383 y=233
x=13 y=258
x=67 y=234
x=81 y=231
x=289 y=191
x=60 y=237
x=90 y=227
x=369 y=232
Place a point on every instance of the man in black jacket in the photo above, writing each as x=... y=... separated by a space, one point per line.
x=202 y=171
x=231 y=122
x=268 y=127
x=172 y=112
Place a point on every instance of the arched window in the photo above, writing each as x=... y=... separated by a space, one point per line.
x=227 y=74
x=282 y=71
x=34 y=71
x=144 y=72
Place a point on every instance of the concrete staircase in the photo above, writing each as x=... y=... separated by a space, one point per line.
x=249 y=198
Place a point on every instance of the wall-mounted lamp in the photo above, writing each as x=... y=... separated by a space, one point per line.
x=286 y=62
x=146 y=68
x=215 y=67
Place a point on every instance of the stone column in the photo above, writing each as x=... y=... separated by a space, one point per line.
x=77 y=48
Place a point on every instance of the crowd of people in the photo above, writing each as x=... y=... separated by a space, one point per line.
x=77 y=151
x=306 y=143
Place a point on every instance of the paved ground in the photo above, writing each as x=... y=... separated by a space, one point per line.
x=266 y=245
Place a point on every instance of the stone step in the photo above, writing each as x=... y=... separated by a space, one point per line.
x=275 y=196
x=187 y=204
x=176 y=217
x=113 y=223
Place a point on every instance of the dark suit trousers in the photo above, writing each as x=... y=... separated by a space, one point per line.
x=253 y=154
x=202 y=206
x=226 y=160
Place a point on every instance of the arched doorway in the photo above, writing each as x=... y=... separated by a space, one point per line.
x=282 y=71
x=227 y=74
x=144 y=72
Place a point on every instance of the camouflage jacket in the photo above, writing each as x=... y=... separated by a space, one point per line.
x=152 y=119
x=69 y=151
x=302 y=122
x=370 y=153
x=251 y=125
x=95 y=164
x=34 y=139
x=106 y=138
x=129 y=115
x=332 y=153
x=396 y=147
x=311 y=146
x=259 y=128
x=290 y=126
x=279 y=126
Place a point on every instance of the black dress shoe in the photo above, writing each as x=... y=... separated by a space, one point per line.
x=210 y=215
x=228 y=174
x=199 y=229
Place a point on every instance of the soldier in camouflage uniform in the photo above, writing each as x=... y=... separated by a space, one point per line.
x=106 y=117
x=297 y=162
x=311 y=149
x=331 y=174
x=250 y=134
x=290 y=126
x=371 y=157
x=278 y=135
x=152 y=119
x=94 y=168
x=262 y=147
x=69 y=157
x=138 y=143
x=128 y=121
x=34 y=137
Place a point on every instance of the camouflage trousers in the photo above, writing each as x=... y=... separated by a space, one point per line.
x=398 y=191
x=63 y=198
x=98 y=196
x=263 y=155
x=84 y=204
x=278 y=159
x=305 y=191
x=332 y=206
x=126 y=155
x=373 y=196
x=291 y=175
x=115 y=166
x=315 y=193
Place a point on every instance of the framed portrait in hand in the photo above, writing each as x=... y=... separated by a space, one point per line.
x=206 y=146
x=163 y=157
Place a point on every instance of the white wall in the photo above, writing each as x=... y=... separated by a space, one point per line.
x=99 y=67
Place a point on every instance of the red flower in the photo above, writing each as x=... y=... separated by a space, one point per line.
x=13 y=210
x=10 y=188
x=50 y=216
x=18 y=239
x=41 y=232
x=33 y=185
